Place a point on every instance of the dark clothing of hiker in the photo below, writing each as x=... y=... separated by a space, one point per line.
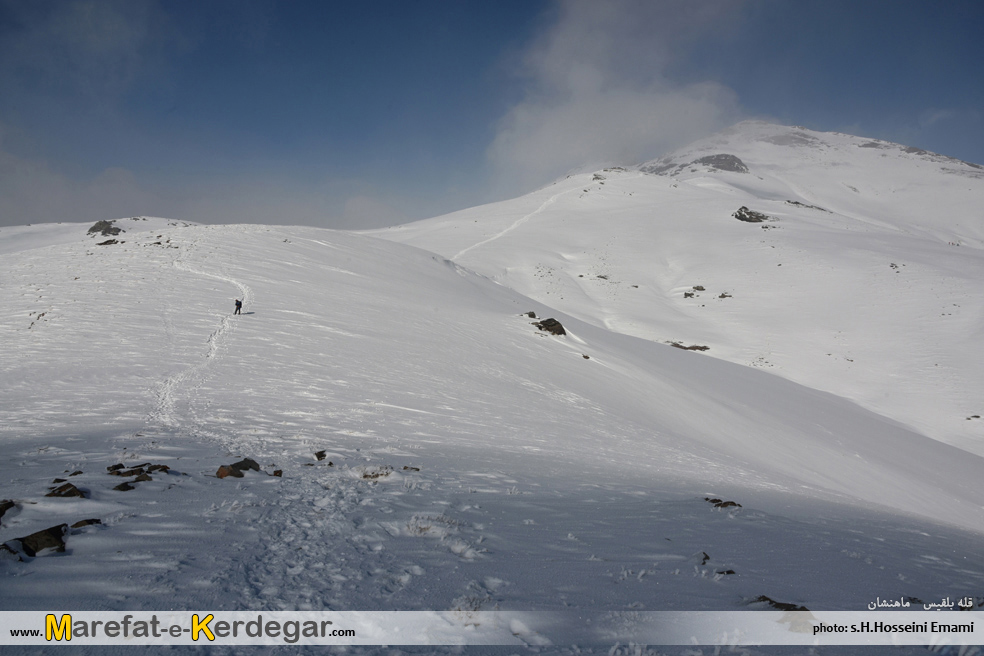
x=239 y=306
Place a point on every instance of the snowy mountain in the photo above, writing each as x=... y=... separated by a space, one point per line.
x=420 y=445
x=858 y=272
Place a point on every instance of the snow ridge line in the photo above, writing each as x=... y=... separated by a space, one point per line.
x=164 y=410
x=550 y=201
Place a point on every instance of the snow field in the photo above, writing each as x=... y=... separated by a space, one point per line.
x=472 y=462
x=872 y=295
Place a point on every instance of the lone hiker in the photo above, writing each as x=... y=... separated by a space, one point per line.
x=239 y=307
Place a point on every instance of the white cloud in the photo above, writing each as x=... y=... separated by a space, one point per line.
x=600 y=90
x=934 y=116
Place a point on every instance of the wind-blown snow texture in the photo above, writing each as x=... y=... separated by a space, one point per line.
x=472 y=461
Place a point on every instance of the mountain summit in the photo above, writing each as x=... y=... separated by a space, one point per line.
x=847 y=264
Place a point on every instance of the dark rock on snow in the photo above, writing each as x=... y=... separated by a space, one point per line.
x=551 y=326
x=723 y=162
x=228 y=470
x=718 y=503
x=778 y=605
x=236 y=469
x=66 y=490
x=246 y=463
x=104 y=228
x=692 y=347
x=35 y=543
x=750 y=216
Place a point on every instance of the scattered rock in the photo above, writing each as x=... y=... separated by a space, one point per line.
x=105 y=228
x=58 y=480
x=725 y=572
x=718 y=503
x=704 y=558
x=531 y=315
x=778 y=605
x=66 y=490
x=551 y=326
x=142 y=477
x=86 y=522
x=35 y=543
x=127 y=472
x=124 y=487
x=321 y=455
x=723 y=162
x=75 y=473
x=692 y=347
x=5 y=505
x=586 y=357
x=812 y=207
x=236 y=469
x=688 y=294
x=278 y=472
x=226 y=470
x=108 y=242
x=750 y=216
x=377 y=473
x=115 y=467
x=160 y=468
x=724 y=295
x=699 y=288
x=406 y=468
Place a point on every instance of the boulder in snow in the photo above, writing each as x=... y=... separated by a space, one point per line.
x=551 y=326
x=104 y=228
x=33 y=544
x=66 y=490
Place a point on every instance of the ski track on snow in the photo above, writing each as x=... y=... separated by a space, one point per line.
x=550 y=201
x=164 y=412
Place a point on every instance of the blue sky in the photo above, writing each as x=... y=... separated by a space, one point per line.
x=345 y=114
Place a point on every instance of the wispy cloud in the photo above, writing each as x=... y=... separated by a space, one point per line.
x=600 y=88
x=92 y=48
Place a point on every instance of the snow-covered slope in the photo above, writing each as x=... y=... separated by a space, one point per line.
x=863 y=279
x=470 y=460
